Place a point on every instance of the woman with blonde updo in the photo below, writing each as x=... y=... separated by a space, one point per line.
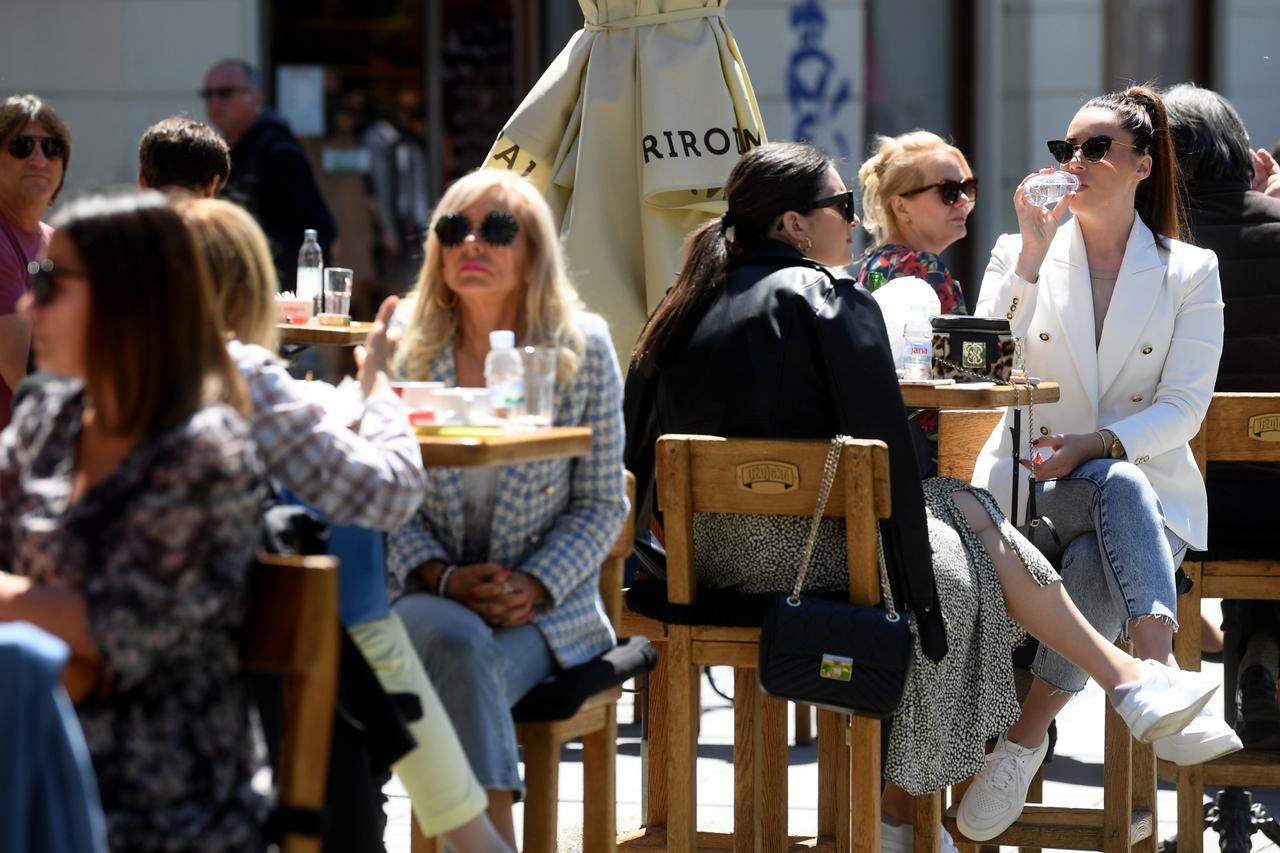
x=911 y=224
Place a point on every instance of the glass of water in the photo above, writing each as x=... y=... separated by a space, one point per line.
x=539 y=385
x=337 y=290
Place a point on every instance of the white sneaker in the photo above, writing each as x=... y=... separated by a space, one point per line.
x=1165 y=700
x=999 y=790
x=1205 y=738
x=899 y=838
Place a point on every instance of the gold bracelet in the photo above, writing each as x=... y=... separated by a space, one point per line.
x=1106 y=445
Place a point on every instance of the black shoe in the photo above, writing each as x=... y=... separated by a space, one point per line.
x=1257 y=714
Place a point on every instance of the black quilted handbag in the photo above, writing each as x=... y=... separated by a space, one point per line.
x=845 y=657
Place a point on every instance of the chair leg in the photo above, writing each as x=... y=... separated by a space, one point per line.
x=1143 y=791
x=1117 y=784
x=833 y=768
x=654 y=751
x=542 y=778
x=1191 y=809
x=600 y=783
x=926 y=823
x=804 y=724
x=771 y=752
x=746 y=725
x=864 y=790
x=684 y=705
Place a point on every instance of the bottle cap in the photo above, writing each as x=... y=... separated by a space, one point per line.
x=502 y=339
x=310 y=234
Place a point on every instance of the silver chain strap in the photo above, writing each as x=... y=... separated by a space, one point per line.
x=824 y=491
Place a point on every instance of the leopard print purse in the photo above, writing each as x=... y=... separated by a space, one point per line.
x=964 y=346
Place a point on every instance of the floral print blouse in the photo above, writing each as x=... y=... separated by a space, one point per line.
x=161 y=550
x=896 y=261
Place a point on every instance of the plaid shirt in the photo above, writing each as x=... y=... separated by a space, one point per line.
x=372 y=479
x=555 y=519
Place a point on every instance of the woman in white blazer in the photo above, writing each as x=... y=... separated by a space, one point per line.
x=1128 y=320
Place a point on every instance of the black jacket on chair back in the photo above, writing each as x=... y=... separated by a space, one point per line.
x=789 y=350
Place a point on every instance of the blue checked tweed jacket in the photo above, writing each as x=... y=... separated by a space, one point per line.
x=555 y=519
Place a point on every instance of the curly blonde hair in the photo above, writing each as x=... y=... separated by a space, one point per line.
x=550 y=299
x=240 y=267
x=893 y=169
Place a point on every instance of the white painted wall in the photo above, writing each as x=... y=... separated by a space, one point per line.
x=113 y=67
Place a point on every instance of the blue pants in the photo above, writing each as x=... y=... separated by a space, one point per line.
x=480 y=673
x=1118 y=559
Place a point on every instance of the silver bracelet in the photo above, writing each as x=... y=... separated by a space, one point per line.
x=444 y=578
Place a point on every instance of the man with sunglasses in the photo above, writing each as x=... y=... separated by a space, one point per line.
x=270 y=174
x=35 y=147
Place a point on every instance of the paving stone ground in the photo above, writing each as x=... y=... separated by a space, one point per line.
x=1073 y=779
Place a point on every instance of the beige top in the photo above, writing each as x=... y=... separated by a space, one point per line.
x=1104 y=284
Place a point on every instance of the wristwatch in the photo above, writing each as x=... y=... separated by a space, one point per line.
x=1114 y=449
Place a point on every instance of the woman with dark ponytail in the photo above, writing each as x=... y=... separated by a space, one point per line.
x=1128 y=320
x=760 y=338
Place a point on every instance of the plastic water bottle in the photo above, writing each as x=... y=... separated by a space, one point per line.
x=1044 y=190
x=917 y=345
x=504 y=375
x=310 y=283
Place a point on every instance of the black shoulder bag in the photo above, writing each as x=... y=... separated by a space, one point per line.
x=834 y=654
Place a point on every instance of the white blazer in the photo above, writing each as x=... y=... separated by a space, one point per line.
x=1149 y=379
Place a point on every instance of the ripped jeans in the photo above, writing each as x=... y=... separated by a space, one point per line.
x=1117 y=559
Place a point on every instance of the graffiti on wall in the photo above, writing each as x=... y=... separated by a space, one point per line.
x=817 y=92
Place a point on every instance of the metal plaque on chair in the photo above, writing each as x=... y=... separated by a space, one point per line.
x=1265 y=427
x=768 y=477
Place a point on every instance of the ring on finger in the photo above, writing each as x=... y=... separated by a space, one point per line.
x=507 y=588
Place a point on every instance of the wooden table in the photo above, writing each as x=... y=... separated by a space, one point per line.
x=473 y=451
x=313 y=333
x=975 y=395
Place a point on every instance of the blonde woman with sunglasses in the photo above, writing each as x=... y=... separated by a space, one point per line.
x=1128 y=320
x=917 y=194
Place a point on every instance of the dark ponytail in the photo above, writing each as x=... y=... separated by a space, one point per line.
x=764 y=184
x=1159 y=199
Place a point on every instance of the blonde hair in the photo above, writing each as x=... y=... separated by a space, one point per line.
x=240 y=266
x=550 y=299
x=893 y=169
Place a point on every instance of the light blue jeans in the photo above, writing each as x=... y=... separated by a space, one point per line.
x=479 y=673
x=1117 y=558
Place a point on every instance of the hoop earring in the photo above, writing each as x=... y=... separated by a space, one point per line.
x=446 y=299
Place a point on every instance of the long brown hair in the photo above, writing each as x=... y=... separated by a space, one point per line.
x=1159 y=200
x=767 y=182
x=156 y=344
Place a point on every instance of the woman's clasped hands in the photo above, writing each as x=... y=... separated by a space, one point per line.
x=503 y=597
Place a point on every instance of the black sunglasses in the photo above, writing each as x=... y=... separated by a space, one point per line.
x=22 y=147
x=843 y=201
x=499 y=228
x=221 y=92
x=950 y=190
x=42 y=274
x=1092 y=149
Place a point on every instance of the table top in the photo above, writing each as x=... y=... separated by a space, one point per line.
x=313 y=333
x=473 y=451
x=967 y=396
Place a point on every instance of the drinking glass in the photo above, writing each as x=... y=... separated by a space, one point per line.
x=337 y=290
x=539 y=385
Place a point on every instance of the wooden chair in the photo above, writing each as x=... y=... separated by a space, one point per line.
x=542 y=731
x=701 y=474
x=1238 y=428
x=293 y=629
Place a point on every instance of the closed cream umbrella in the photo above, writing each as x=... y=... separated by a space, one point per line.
x=630 y=134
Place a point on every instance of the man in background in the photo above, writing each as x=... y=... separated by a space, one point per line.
x=270 y=174
x=182 y=154
x=1242 y=225
x=35 y=147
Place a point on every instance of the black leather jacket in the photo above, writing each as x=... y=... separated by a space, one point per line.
x=789 y=350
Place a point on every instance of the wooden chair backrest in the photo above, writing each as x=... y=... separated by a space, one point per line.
x=965 y=431
x=1239 y=428
x=611 y=570
x=707 y=474
x=293 y=629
